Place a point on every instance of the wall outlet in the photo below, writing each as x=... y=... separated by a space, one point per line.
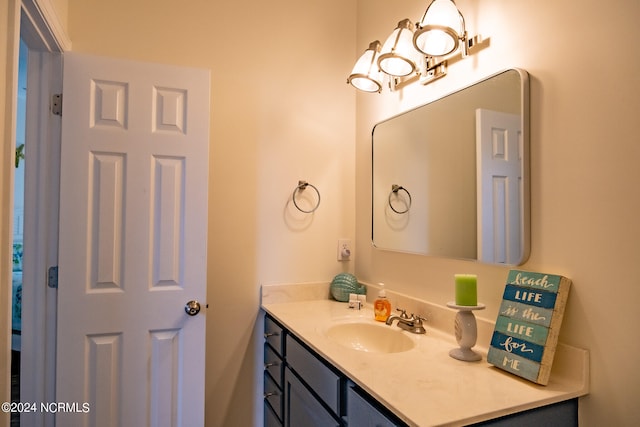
x=344 y=249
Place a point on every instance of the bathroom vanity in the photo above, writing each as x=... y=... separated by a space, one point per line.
x=300 y=386
x=316 y=378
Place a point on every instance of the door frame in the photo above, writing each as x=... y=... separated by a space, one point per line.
x=36 y=22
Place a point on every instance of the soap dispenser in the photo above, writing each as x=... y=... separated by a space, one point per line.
x=382 y=306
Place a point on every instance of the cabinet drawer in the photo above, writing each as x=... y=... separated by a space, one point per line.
x=273 y=364
x=273 y=335
x=273 y=395
x=322 y=380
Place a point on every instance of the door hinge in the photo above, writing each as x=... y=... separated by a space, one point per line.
x=56 y=104
x=52 y=277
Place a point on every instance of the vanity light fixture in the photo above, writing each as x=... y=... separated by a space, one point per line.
x=423 y=55
x=366 y=75
x=441 y=30
x=397 y=57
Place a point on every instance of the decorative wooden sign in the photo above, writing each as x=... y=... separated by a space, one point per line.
x=526 y=334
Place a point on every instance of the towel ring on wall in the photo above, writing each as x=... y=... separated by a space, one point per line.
x=395 y=188
x=302 y=185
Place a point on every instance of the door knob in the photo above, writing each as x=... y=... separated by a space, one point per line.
x=192 y=308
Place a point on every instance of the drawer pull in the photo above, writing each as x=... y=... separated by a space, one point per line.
x=270 y=364
x=271 y=334
x=269 y=394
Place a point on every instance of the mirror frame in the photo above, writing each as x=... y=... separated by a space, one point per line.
x=525 y=203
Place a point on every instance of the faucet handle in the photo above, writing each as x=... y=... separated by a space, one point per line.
x=419 y=319
x=403 y=313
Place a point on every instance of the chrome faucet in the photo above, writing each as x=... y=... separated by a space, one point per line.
x=411 y=323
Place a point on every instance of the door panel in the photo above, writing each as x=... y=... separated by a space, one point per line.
x=133 y=222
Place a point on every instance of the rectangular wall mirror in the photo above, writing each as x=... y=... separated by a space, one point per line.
x=451 y=178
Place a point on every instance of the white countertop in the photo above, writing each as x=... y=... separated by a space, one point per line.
x=425 y=386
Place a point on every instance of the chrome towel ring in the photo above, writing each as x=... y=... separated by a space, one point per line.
x=395 y=188
x=302 y=185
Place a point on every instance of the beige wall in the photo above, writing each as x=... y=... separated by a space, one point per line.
x=280 y=111
x=269 y=130
x=584 y=153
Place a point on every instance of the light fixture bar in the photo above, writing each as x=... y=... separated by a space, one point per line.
x=431 y=70
x=473 y=44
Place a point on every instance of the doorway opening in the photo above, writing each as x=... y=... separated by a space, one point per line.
x=18 y=232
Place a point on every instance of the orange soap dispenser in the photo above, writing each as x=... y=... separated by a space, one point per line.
x=382 y=306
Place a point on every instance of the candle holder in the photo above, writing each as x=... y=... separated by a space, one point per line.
x=466 y=332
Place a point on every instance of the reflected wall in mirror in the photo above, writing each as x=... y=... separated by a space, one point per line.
x=451 y=178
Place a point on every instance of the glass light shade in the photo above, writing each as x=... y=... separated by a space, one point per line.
x=440 y=29
x=398 y=56
x=365 y=75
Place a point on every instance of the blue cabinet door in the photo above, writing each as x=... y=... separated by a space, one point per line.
x=362 y=412
x=301 y=407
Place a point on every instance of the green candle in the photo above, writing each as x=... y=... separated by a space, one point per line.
x=466 y=289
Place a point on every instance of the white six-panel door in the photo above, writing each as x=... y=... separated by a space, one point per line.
x=499 y=149
x=133 y=217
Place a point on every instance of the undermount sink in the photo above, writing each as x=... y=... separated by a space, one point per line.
x=370 y=337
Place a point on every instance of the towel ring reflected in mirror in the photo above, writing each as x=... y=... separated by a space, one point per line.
x=395 y=189
x=302 y=185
